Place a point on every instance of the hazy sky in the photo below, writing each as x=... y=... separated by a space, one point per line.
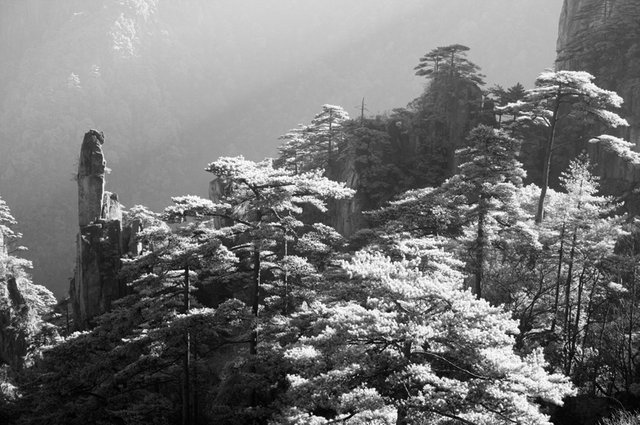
x=296 y=55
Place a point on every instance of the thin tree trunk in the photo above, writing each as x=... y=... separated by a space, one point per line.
x=596 y=369
x=547 y=160
x=480 y=242
x=567 y=298
x=194 y=392
x=576 y=325
x=558 y=277
x=330 y=153
x=255 y=304
x=186 y=385
x=255 y=299
x=589 y=309
x=630 y=366
x=402 y=415
x=285 y=304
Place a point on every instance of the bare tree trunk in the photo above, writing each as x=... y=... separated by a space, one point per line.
x=186 y=384
x=567 y=299
x=330 y=153
x=195 y=385
x=480 y=242
x=285 y=304
x=594 y=377
x=255 y=299
x=630 y=366
x=589 y=309
x=576 y=326
x=548 y=150
x=558 y=277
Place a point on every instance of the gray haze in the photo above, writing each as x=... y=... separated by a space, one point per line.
x=176 y=83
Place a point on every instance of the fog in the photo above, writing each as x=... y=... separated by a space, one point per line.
x=176 y=84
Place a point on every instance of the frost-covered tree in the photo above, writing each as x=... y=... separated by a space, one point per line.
x=559 y=96
x=9 y=238
x=273 y=200
x=587 y=235
x=400 y=342
x=276 y=253
x=314 y=146
x=557 y=287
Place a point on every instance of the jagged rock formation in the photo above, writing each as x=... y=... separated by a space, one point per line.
x=100 y=241
x=91 y=169
x=603 y=37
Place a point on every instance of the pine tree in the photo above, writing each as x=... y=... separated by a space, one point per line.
x=449 y=61
x=489 y=183
x=556 y=97
x=502 y=98
x=399 y=342
x=587 y=235
x=451 y=105
x=314 y=146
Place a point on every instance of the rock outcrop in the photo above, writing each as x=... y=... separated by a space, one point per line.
x=347 y=217
x=100 y=243
x=603 y=37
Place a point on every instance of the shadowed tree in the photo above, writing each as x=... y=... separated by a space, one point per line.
x=450 y=61
x=488 y=182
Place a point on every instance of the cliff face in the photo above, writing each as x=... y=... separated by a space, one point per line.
x=100 y=241
x=603 y=38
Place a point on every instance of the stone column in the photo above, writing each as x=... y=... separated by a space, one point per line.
x=91 y=178
x=96 y=282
